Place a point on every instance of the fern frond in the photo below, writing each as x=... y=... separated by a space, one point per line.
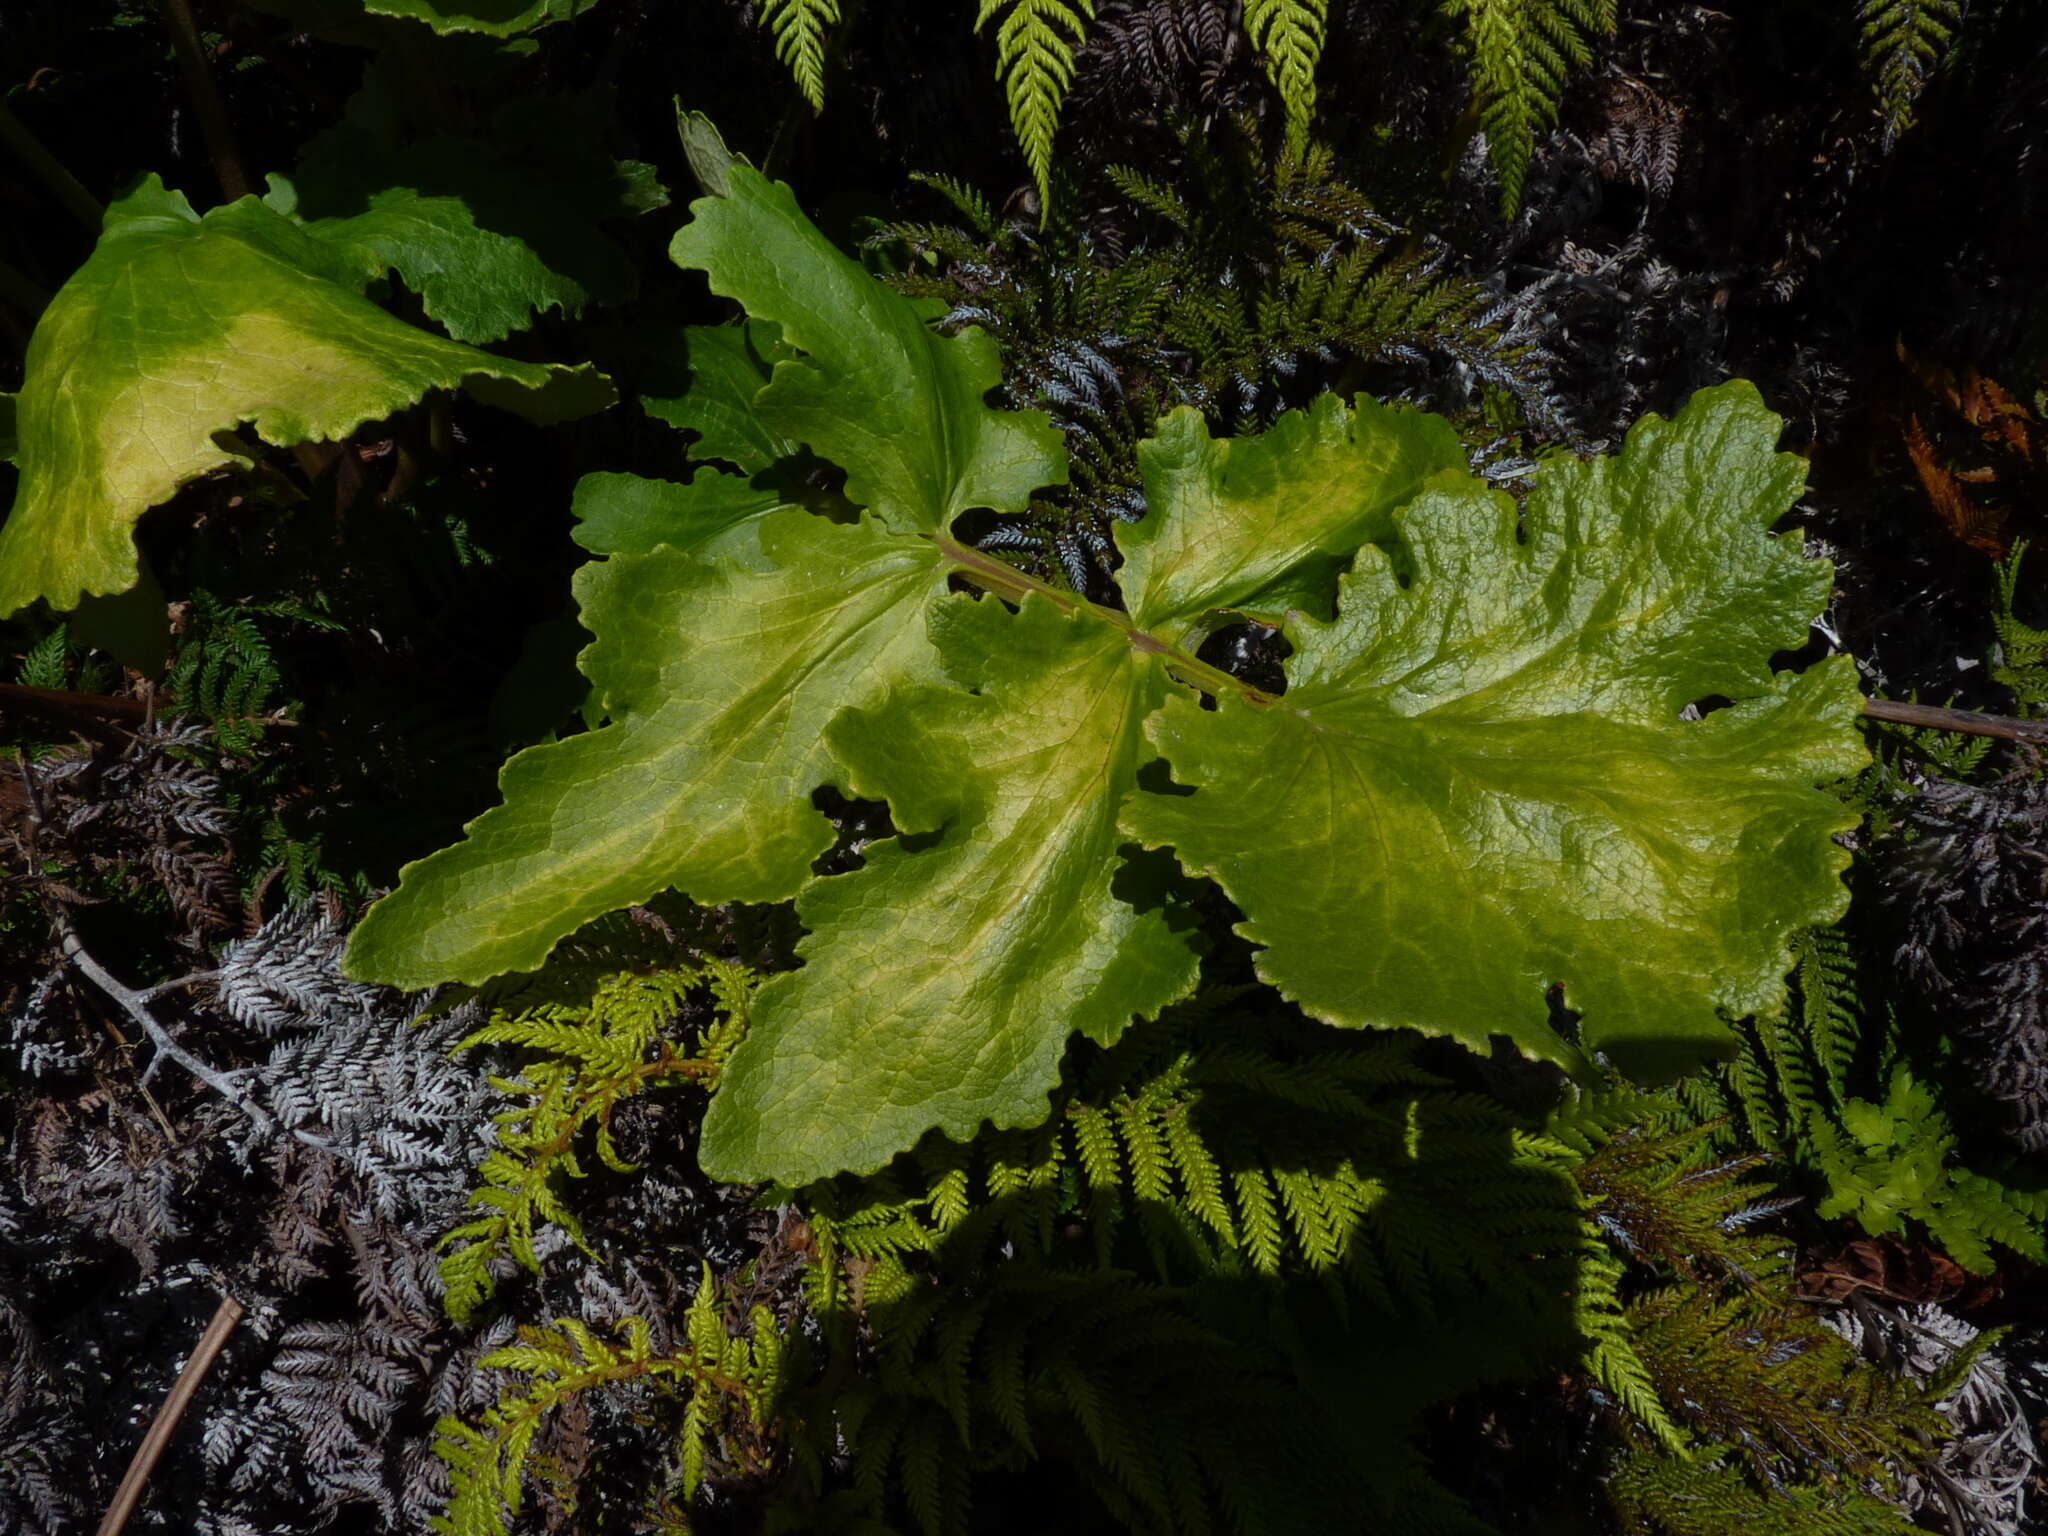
x=598 y=1053
x=800 y=27
x=47 y=663
x=1611 y=1355
x=1828 y=1005
x=225 y=672
x=2022 y=649
x=724 y=1377
x=1705 y=1496
x=967 y=201
x=1901 y=44
x=1035 y=45
x=1289 y=35
x=1521 y=52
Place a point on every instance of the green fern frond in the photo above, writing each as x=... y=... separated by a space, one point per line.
x=1035 y=44
x=1289 y=35
x=1828 y=1006
x=1521 y=52
x=967 y=201
x=1150 y=194
x=983 y=1335
x=1901 y=44
x=596 y=1054
x=800 y=27
x=1660 y=1495
x=47 y=663
x=225 y=672
x=725 y=1378
x=2022 y=649
x=1611 y=1355
x=1894 y=1162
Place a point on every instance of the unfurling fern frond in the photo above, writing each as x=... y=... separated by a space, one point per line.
x=1521 y=52
x=1289 y=37
x=598 y=1053
x=1035 y=45
x=1903 y=42
x=800 y=27
x=729 y=1383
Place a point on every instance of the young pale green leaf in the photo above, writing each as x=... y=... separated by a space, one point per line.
x=1478 y=785
x=710 y=514
x=487 y=234
x=719 y=677
x=1262 y=523
x=942 y=980
x=728 y=367
x=179 y=328
x=478 y=283
x=735 y=628
x=876 y=391
x=496 y=18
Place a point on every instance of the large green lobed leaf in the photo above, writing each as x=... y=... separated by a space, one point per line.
x=719 y=676
x=1478 y=785
x=943 y=979
x=179 y=328
x=731 y=626
x=876 y=391
x=495 y=18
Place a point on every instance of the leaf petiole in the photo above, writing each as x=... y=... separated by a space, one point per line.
x=1005 y=580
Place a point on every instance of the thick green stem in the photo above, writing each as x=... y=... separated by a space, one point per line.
x=43 y=165
x=1005 y=580
x=207 y=100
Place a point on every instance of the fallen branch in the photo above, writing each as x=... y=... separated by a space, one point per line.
x=165 y=1424
x=136 y=1003
x=1968 y=721
x=136 y=1006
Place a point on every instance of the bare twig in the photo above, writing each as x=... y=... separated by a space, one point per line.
x=177 y=984
x=104 y=718
x=136 y=1006
x=1967 y=721
x=136 y=1003
x=206 y=100
x=165 y=1424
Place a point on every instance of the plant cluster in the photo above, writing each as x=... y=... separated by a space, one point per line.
x=1235 y=832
